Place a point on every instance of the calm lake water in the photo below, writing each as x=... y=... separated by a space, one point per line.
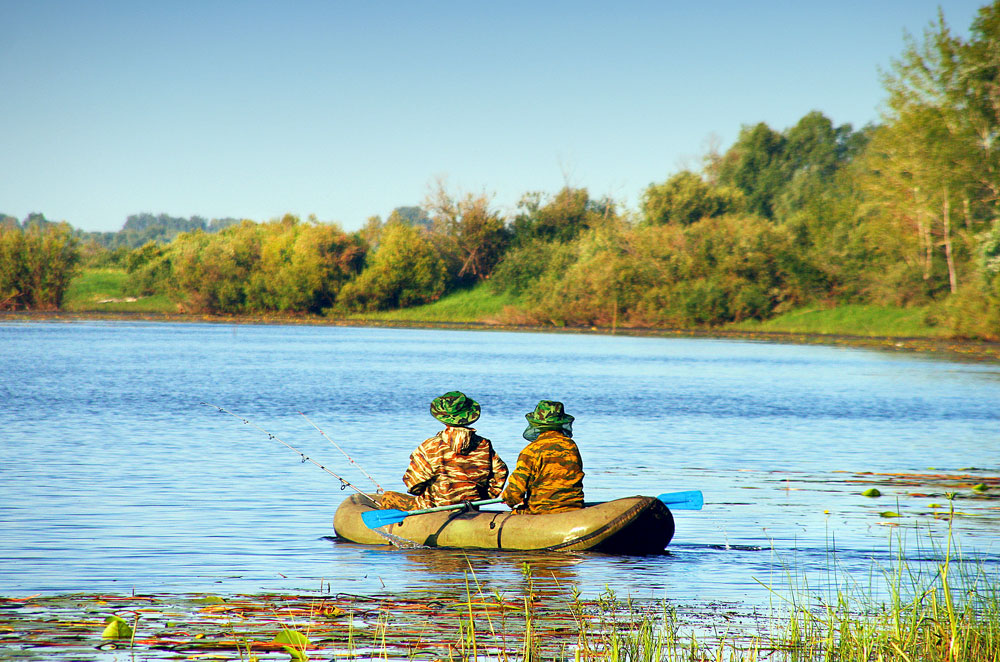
x=114 y=476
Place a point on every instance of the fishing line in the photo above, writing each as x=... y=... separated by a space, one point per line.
x=344 y=483
x=349 y=458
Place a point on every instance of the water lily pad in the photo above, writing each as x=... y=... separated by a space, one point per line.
x=295 y=643
x=871 y=492
x=981 y=487
x=115 y=627
x=889 y=513
x=209 y=600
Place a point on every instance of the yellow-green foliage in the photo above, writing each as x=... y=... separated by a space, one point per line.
x=404 y=270
x=710 y=272
x=284 y=266
x=36 y=265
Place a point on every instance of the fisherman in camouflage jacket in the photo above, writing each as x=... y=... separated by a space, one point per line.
x=548 y=477
x=453 y=466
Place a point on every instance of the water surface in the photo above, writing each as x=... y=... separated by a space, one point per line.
x=115 y=478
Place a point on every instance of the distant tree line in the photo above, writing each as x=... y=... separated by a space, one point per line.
x=903 y=213
x=140 y=229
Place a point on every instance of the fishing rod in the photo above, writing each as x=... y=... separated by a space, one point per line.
x=349 y=458
x=344 y=483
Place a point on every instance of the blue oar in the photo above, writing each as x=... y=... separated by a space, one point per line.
x=374 y=519
x=691 y=500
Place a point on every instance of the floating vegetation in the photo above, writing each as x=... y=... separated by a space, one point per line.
x=871 y=492
x=947 y=615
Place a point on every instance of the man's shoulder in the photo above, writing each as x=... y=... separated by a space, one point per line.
x=431 y=444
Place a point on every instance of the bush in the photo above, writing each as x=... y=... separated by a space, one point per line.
x=711 y=272
x=36 y=265
x=405 y=270
x=281 y=266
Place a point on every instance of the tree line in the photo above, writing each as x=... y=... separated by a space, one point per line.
x=903 y=212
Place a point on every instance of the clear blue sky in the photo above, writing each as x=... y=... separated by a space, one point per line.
x=349 y=109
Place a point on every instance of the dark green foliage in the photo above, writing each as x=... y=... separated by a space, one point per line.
x=561 y=219
x=771 y=167
x=36 y=264
x=755 y=166
x=523 y=265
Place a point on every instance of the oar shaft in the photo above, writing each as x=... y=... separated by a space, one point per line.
x=436 y=509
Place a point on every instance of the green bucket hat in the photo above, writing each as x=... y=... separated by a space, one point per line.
x=455 y=408
x=549 y=415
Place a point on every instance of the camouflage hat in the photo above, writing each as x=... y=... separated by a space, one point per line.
x=549 y=414
x=455 y=408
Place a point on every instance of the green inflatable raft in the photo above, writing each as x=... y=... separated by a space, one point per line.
x=633 y=525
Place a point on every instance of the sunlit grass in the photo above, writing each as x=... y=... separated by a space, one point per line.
x=851 y=320
x=103 y=290
x=477 y=304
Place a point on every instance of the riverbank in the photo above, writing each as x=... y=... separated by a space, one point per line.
x=956 y=349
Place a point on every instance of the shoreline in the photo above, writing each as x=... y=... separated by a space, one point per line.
x=953 y=348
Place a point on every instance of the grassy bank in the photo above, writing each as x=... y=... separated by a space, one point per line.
x=850 y=319
x=477 y=304
x=103 y=290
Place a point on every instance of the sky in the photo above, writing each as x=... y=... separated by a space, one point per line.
x=346 y=110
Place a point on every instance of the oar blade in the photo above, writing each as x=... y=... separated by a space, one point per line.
x=690 y=500
x=375 y=519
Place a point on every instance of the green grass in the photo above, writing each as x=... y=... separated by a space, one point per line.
x=476 y=304
x=103 y=290
x=850 y=320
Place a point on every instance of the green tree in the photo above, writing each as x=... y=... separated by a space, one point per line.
x=405 y=270
x=562 y=218
x=302 y=266
x=686 y=198
x=924 y=163
x=755 y=165
x=469 y=234
x=36 y=264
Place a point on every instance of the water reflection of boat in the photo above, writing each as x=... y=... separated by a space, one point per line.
x=633 y=525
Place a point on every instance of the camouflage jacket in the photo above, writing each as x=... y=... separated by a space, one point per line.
x=453 y=466
x=548 y=477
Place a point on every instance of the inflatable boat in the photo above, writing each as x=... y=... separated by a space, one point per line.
x=632 y=525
